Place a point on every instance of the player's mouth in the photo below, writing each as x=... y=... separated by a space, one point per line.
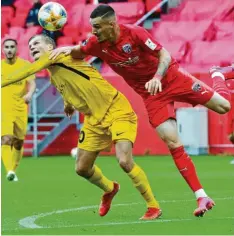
x=35 y=52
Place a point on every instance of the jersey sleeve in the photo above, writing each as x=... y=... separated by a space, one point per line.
x=146 y=41
x=28 y=70
x=90 y=46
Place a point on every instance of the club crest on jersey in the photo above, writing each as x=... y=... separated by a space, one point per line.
x=127 y=48
x=196 y=87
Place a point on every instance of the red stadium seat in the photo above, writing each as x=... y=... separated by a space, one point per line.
x=65 y=41
x=4 y=30
x=72 y=31
x=181 y=30
x=221 y=31
x=152 y=3
x=178 y=49
x=75 y=14
x=86 y=27
x=7 y=13
x=29 y=32
x=211 y=53
x=27 y=4
x=128 y=12
x=19 y=20
x=23 y=52
x=16 y=32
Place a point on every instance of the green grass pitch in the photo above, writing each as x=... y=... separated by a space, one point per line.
x=50 y=199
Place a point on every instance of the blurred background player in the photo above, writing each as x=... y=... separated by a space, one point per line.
x=150 y=70
x=14 y=109
x=226 y=73
x=108 y=116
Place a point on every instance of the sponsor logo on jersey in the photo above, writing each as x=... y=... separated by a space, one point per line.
x=130 y=61
x=127 y=48
x=150 y=44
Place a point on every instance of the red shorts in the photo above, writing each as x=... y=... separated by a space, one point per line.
x=177 y=86
x=231 y=117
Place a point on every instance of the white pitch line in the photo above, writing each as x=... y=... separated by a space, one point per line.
x=29 y=222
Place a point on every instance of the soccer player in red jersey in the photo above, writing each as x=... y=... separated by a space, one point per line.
x=227 y=73
x=150 y=70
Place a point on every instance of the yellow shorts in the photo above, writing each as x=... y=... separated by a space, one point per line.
x=119 y=123
x=14 y=124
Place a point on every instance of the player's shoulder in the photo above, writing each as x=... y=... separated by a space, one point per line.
x=133 y=30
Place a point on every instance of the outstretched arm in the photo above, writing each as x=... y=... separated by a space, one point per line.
x=31 y=89
x=26 y=71
x=74 y=51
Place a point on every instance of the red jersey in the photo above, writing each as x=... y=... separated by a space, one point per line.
x=134 y=56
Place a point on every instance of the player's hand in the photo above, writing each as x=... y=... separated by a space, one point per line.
x=27 y=98
x=56 y=52
x=154 y=85
x=69 y=110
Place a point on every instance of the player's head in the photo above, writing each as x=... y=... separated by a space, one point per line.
x=9 y=47
x=103 y=21
x=39 y=45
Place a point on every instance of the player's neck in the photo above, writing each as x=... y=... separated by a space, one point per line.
x=11 y=60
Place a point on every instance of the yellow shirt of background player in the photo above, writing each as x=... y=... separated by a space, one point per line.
x=12 y=96
x=78 y=83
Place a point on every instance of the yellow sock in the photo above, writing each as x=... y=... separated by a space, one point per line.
x=141 y=182
x=7 y=157
x=100 y=180
x=17 y=155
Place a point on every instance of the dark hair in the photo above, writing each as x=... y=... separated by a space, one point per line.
x=102 y=10
x=46 y=38
x=9 y=39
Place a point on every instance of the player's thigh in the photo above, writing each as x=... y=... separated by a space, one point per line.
x=160 y=111
x=189 y=89
x=168 y=133
x=124 y=127
x=93 y=138
x=7 y=124
x=20 y=125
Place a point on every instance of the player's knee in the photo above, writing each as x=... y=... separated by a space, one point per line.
x=172 y=143
x=231 y=138
x=18 y=144
x=224 y=107
x=227 y=106
x=6 y=140
x=82 y=171
x=126 y=164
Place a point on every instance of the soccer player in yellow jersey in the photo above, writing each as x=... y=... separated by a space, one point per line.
x=108 y=118
x=14 y=109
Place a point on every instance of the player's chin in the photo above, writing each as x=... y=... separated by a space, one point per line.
x=36 y=56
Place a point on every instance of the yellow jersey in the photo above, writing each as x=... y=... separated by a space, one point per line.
x=12 y=96
x=78 y=82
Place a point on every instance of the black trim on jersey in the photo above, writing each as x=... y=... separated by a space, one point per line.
x=73 y=70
